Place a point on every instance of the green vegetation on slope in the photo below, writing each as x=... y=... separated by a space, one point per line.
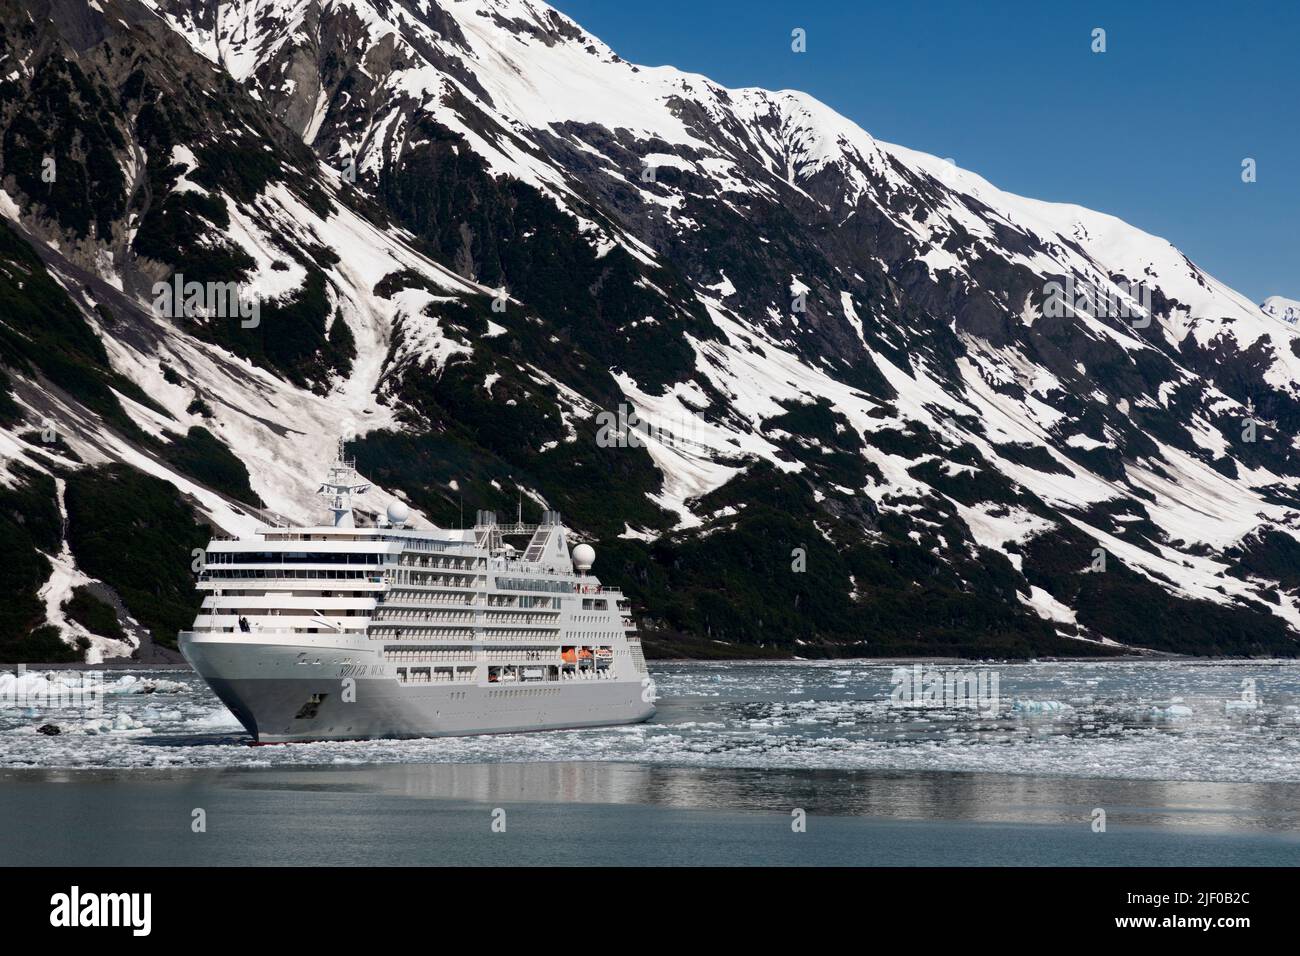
x=200 y=455
x=137 y=534
x=29 y=520
x=93 y=614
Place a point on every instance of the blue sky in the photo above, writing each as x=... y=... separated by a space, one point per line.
x=1154 y=130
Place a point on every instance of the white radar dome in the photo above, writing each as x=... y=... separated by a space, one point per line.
x=398 y=513
x=584 y=556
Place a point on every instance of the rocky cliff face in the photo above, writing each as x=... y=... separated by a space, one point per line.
x=811 y=393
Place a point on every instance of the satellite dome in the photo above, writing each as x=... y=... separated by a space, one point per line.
x=584 y=556
x=398 y=513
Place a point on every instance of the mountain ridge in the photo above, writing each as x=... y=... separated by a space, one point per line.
x=946 y=397
x=1280 y=307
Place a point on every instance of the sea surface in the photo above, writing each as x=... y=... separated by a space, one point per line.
x=1106 y=763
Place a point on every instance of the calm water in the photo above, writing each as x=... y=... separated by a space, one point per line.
x=1193 y=763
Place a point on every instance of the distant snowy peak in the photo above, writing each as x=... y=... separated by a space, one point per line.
x=1288 y=310
x=524 y=83
x=536 y=76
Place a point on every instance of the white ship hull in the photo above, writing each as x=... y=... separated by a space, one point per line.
x=279 y=700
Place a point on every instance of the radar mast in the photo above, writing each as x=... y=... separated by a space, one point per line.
x=343 y=482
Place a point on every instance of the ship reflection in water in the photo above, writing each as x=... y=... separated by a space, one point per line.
x=616 y=813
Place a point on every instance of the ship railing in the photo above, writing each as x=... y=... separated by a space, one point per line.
x=325 y=584
x=580 y=588
x=379 y=620
x=532 y=636
x=427 y=620
x=589 y=674
x=434 y=587
x=440 y=564
x=434 y=547
x=395 y=601
x=387 y=633
x=269 y=585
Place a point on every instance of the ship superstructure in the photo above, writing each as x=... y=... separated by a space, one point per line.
x=348 y=632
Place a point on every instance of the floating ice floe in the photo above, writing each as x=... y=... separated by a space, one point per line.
x=131 y=684
x=153 y=715
x=740 y=715
x=33 y=684
x=217 y=717
x=1040 y=707
x=119 y=723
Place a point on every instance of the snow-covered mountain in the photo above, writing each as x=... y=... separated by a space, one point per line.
x=862 y=401
x=1280 y=307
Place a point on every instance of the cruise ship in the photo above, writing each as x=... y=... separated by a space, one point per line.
x=345 y=632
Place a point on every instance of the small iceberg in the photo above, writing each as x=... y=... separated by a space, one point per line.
x=1040 y=707
x=130 y=684
x=117 y=724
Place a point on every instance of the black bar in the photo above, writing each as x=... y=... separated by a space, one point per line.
x=931 y=907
